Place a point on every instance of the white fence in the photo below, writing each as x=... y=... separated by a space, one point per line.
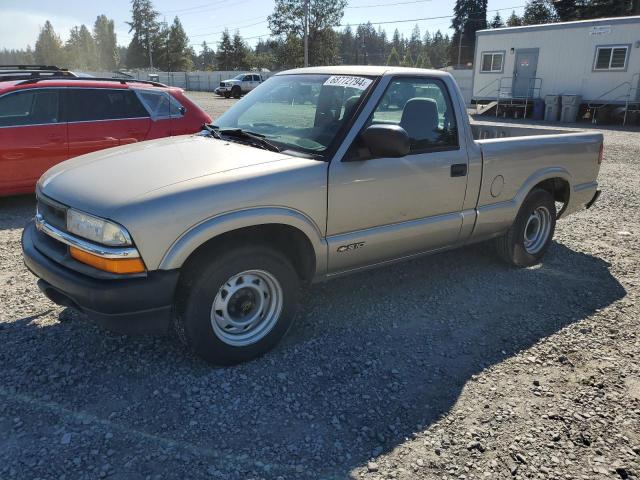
x=208 y=81
x=198 y=81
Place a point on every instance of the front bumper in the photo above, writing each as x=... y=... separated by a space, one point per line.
x=126 y=305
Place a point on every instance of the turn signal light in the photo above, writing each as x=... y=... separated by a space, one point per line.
x=111 y=265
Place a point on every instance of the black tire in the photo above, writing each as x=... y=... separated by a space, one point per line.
x=511 y=246
x=227 y=94
x=236 y=92
x=204 y=278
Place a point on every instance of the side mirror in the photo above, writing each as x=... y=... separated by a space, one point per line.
x=386 y=141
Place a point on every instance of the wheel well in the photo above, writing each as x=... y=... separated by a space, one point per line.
x=559 y=188
x=289 y=241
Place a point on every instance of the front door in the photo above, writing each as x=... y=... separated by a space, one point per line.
x=33 y=137
x=386 y=208
x=524 y=72
x=101 y=118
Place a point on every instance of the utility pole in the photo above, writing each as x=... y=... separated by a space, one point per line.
x=306 y=33
x=460 y=44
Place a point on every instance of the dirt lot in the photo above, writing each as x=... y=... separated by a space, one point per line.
x=452 y=366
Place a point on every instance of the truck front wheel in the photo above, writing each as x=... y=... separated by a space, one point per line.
x=237 y=305
x=526 y=242
x=236 y=92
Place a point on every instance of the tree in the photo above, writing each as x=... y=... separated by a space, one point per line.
x=439 y=50
x=288 y=20
x=514 y=20
x=347 y=46
x=423 y=61
x=407 y=61
x=145 y=27
x=566 y=10
x=588 y=9
x=207 y=58
x=394 y=59
x=106 y=43
x=240 y=52
x=537 y=12
x=225 y=52
x=178 y=50
x=48 y=49
x=497 y=22
x=415 y=43
x=469 y=17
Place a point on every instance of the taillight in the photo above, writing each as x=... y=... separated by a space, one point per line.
x=601 y=154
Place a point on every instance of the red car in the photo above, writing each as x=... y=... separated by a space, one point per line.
x=43 y=121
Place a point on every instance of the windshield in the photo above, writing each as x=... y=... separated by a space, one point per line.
x=239 y=77
x=298 y=112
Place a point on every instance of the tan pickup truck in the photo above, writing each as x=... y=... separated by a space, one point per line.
x=318 y=172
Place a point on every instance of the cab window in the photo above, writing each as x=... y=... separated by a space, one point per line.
x=422 y=107
x=32 y=107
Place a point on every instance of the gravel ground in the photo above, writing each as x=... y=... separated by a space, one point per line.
x=449 y=367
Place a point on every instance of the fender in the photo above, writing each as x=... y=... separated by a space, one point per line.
x=495 y=218
x=187 y=243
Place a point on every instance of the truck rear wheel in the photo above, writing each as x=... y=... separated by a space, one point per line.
x=526 y=242
x=238 y=305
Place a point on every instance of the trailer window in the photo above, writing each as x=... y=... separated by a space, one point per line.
x=492 y=62
x=611 y=57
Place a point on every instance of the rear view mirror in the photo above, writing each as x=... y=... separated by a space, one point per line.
x=386 y=141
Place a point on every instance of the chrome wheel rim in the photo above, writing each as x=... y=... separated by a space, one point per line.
x=536 y=230
x=246 y=308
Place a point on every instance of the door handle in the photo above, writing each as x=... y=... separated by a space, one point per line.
x=459 y=170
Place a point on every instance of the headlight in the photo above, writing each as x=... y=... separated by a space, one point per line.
x=96 y=229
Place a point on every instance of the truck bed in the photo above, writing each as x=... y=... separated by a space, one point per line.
x=485 y=130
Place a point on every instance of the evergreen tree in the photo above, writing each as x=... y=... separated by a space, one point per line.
x=394 y=59
x=497 y=22
x=469 y=17
x=207 y=58
x=225 y=52
x=178 y=50
x=439 y=50
x=514 y=20
x=407 y=61
x=538 y=12
x=415 y=43
x=423 y=61
x=240 y=52
x=145 y=27
x=566 y=10
x=106 y=44
x=347 y=47
x=48 y=49
x=287 y=22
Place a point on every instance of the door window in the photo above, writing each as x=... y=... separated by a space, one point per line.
x=256 y=78
x=247 y=78
x=32 y=107
x=93 y=104
x=422 y=107
x=160 y=104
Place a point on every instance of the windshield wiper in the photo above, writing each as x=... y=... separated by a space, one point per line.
x=212 y=129
x=255 y=138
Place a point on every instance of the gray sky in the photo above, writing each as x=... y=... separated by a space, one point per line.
x=20 y=20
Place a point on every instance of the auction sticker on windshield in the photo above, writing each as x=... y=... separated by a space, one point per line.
x=360 y=83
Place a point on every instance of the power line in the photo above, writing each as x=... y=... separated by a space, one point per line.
x=387 y=4
x=231 y=26
x=387 y=22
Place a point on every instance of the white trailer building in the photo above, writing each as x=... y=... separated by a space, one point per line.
x=596 y=59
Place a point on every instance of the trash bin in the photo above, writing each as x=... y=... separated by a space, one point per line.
x=552 y=108
x=538 y=109
x=570 y=108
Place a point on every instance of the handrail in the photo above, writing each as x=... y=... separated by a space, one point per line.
x=589 y=105
x=487 y=86
x=635 y=80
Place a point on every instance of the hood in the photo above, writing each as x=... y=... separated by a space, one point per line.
x=232 y=80
x=103 y=181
